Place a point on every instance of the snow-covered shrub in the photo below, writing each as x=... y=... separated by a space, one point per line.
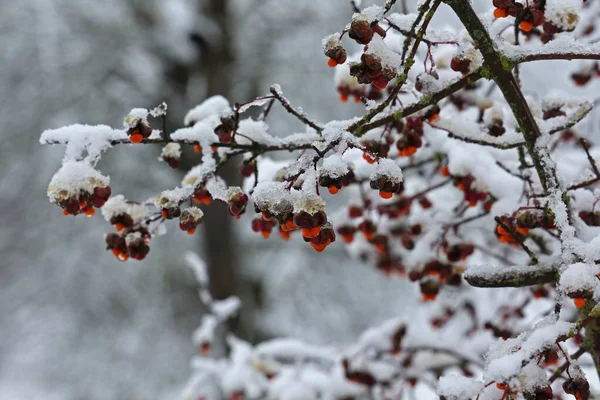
x=451 y=182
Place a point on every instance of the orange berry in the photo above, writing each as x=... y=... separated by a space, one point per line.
x=500 y=13
x=320 y=247
x=164 y=214
x=82 y=204
x=579 y=302
x=265 y=234
x=461 y=186
x=202 y=200
x=191 y=231
x=411 y=150
x=90 y=213
x=501 y=230
x=119 y=226
x=65 y=212
x=115 y=252
x=214 y=148
x=136 y=138
x=525 y=26
x=123 y=257
x=380 y=248
x=332 y=63
x=368 y=158
x=285 y=235
x=347 y=238
x=523 y=231
x=385 y=195
x=501 y=386
x=444 y=171
x=343 y=98
x=369 y=235
x=204 y=349
x=472 y=203
x=428 y=297
x=357 y=99
x=333 y=189
x=197 y=148
x=289 y=225
x=265 y=217
x=311 y=232
x=435 y=117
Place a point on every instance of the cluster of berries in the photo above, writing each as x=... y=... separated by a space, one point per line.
x=337 y=55
x=514 y=231
x=138 y=131
x=373 y=149
x=131 y=240
x=386 y=185
x=369 y=92
x=171 y=154
x=189 y=219
x=431 y=277
x=312 y=222
x=458 y=252
x=528 y=16
x=531 y=219
x=396 y=209
x=496 y=127
x=132 y=244
x=461 y=64
x=224 y=130
x=335 y=183
x=362 y=31
x=85 y=202
x=412 y=133
x=370 y=71
x=584 y=76
x=471 y=195
x=202 y=196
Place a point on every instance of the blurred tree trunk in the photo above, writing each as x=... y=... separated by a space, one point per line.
x=219 y=239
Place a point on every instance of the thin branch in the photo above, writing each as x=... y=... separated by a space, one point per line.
x=426 y=101
x=402 y=78
x=294 y=112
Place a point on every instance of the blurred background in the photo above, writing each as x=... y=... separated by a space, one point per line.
x=74 y=322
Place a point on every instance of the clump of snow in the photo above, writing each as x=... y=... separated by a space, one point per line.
x=506 y=358
x=116 y=205
x=493 y=114
x=215 y=105
x=136 y=116
x=563 y=13
x=389 y=169
x=331 y=41
x=334 y=167
x=458 y=387
x=133 y=237
x=81 y=139
x=369 y=14
x=172 y=198
x=389 y=58
x=72 y=178
x=429 y=84
x=233 y=193
x=579 y=277
x=171 y=150
x=309 y=203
